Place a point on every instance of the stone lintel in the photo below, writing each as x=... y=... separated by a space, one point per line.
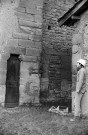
x=28 y=58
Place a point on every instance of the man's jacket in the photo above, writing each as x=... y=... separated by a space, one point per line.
x=81 y=81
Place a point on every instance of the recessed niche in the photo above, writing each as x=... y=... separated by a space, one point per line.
x=49 y=27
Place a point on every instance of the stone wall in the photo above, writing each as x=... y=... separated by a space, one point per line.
x=26 y=28
x=8 y=25
x=20 y=33
x=56 y=41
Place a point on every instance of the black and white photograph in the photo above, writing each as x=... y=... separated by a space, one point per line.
x=43 y=67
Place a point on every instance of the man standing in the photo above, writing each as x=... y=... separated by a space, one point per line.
x=80 y=88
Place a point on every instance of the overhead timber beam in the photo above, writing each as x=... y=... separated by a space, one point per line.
x=79 y=6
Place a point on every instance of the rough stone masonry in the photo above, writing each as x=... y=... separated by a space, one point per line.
x=29 y=29
x=20 y=33
x=56 y=80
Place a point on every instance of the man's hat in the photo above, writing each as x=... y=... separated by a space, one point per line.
x=82 y=62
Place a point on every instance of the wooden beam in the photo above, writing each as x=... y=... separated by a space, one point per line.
x=71 y=12
x=75 y=17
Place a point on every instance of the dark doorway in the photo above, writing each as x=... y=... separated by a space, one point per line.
x=56 y=78
x=55 y=74
x=12 y=81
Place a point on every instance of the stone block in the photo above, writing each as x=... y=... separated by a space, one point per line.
x=22 y=22
x=23 y=79
x=86 y=36
x=20 y=35
x=12 y=42
x=35 y=86
x=24 y=74
x=26 y=43
x=38 y=32
x=31 y=10
x=32 y=52
x=85 y=50
x=24 y=98
x=3 y=72
x=2 y=79
x=39 y=7
x=38 y=18
x=28 y=30
x=75 y=49
x=20 y=9
x=38 y=2
x=28 y=58
x=31 y=37
x=15 y=50
x=77 y=39
x=75 y=58
x=5 y=57
x=39 y=12
x=3 y=65
x=38 y=25
x=30 y=24
x=25 y=66
x=31 y=4
x=23 y=4
x=38 y=45
x=25 y=16
x=37 y=37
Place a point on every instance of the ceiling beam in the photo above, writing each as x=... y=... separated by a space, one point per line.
x=71 y=12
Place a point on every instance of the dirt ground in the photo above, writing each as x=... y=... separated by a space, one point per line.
x=31 y=120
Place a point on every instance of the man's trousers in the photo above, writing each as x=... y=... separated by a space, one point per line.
x=78 y=103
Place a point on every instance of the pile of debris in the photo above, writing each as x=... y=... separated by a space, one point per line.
x=58 y=110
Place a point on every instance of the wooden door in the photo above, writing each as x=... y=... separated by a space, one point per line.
x=12 y=81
